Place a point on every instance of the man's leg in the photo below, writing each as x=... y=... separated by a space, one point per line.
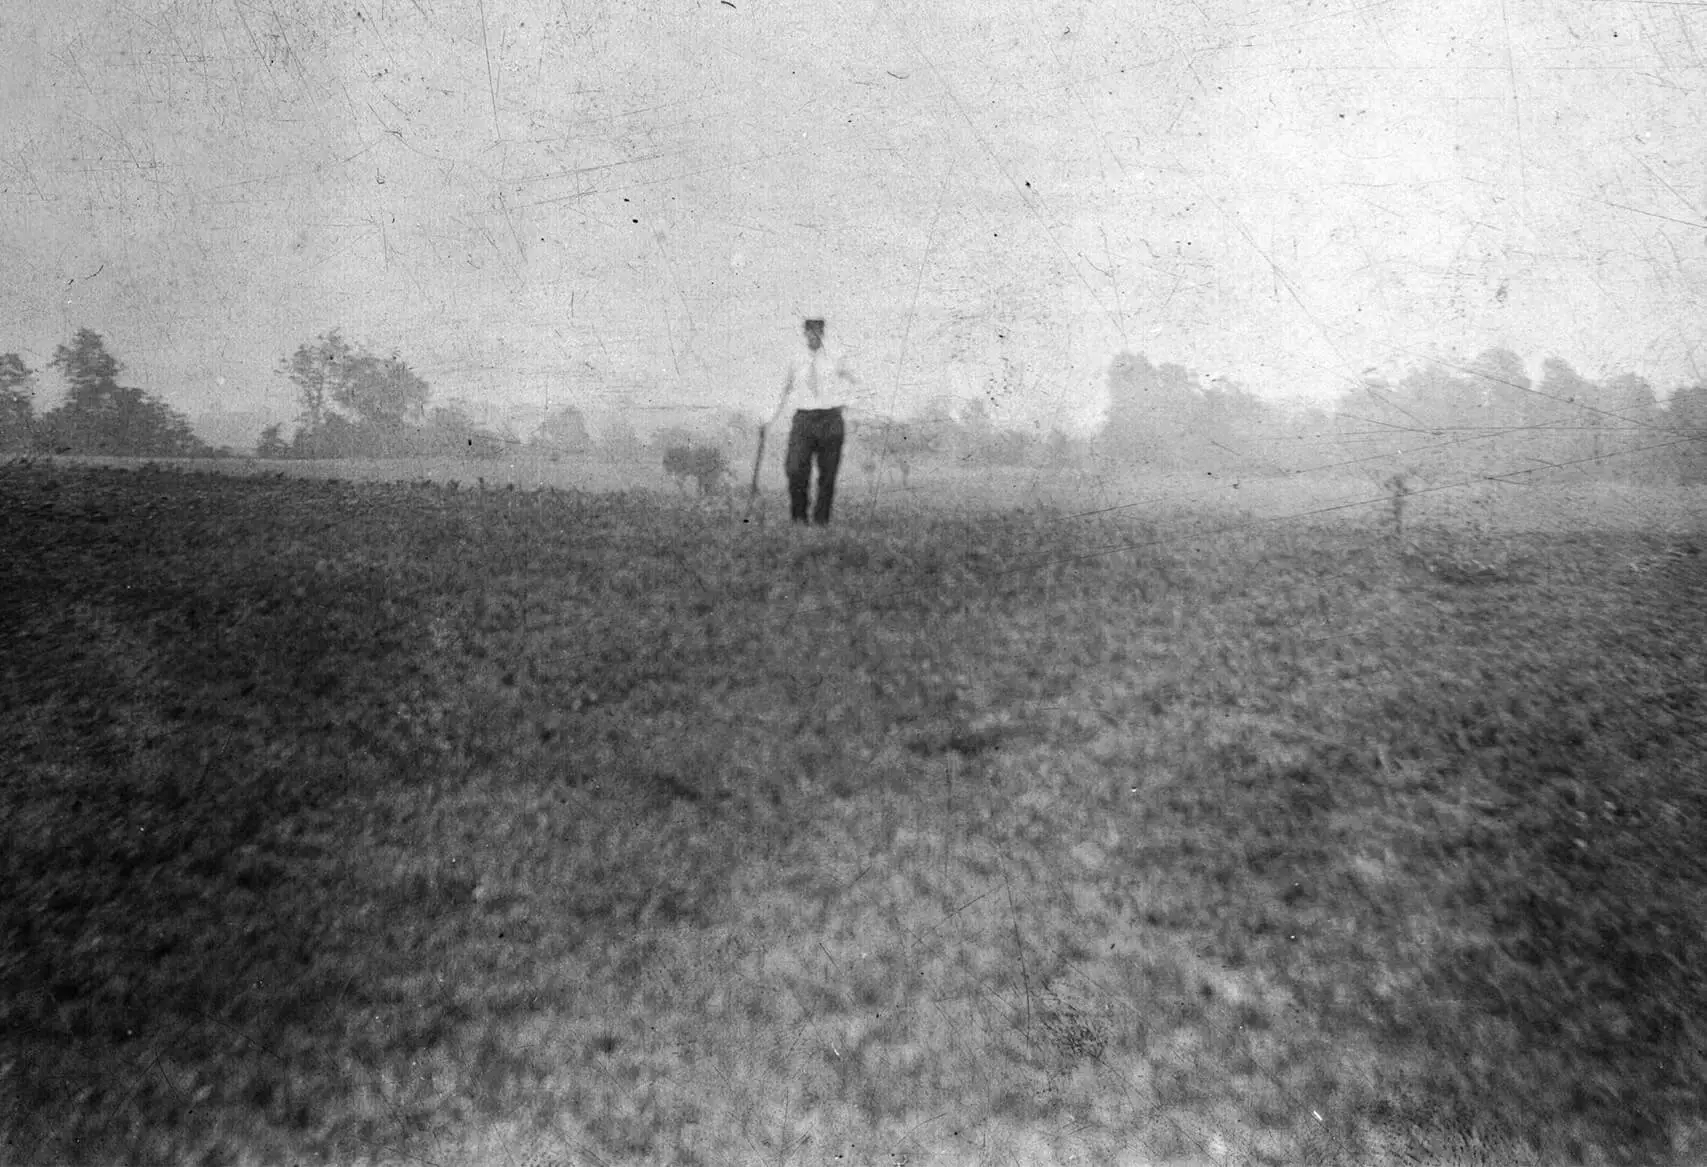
x=797 y=464
x=829 y=461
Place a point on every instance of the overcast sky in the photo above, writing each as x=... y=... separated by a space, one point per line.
x=560 y=200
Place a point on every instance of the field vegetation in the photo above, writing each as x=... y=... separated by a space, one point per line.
x=369 y=821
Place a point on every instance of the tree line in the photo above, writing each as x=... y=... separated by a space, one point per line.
x=1481 y=417
x=98 y=415
x=1485 y=416
x=353 y=403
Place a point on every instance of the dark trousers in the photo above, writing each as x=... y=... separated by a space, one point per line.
x=816 y=434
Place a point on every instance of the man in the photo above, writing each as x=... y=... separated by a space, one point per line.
x=820 y=385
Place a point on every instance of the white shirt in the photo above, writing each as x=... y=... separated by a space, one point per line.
x=816 y=379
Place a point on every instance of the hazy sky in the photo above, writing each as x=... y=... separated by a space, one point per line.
x=573 y=201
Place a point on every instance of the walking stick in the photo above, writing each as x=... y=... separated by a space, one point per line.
x=753 y=492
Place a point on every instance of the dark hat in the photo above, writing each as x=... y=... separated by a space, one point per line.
x=816 y=322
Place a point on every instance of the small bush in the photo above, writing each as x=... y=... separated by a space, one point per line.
x=706 y=465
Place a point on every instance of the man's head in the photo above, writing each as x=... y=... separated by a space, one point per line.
x=814 y=333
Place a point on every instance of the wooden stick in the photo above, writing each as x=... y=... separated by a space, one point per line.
x=758 y=459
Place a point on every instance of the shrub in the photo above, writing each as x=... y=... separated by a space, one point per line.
x=706 y=465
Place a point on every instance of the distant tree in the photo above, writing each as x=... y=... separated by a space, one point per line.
x=619 y=441
x=1061 y=451
x=1501 y=372
x=1151 y=411
x=17 y=403
x=449 y=430
x=335 y=437
x=1372 y=422
x=91 y=419
x=1503 y=384
x=1232 y=425
x=316 y=370
x=1569 y=422
x=1443 y=401
x=1447 y=415
x=1686 y=416
x=87 y=366
x=564 y=431
x=271 y=444
x=1632 y=399
x=384 y=392
x=1632 y=422
x=445 y=432
x=353 y=403
x=1298 y=437
x=100 y=416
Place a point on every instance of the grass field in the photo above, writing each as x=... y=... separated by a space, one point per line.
x=1152 y=823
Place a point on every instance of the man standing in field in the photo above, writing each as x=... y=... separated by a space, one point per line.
x=820 y=385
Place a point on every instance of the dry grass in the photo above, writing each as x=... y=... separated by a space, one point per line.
x=385 y=824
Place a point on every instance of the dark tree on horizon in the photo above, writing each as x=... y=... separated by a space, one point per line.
x=356 y=404
x=101 y=416
x=17 y=403
x=1686 y=416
